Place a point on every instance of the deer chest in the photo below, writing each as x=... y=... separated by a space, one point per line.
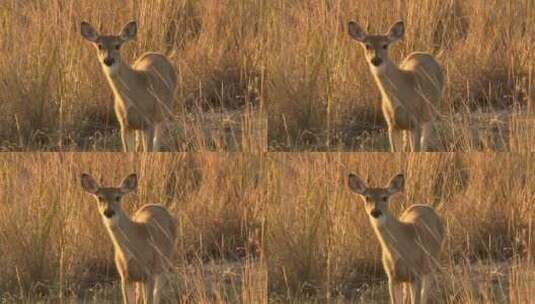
x=399 y=268
x=134 y=269
x=399 y=117
x=133 y=117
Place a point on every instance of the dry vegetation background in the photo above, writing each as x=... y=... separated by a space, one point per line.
x=258 y=228
x=54 y=96
x=56 y=248
x=294 y=56
x=254 y=227
x=320 y=247
x=322 y=95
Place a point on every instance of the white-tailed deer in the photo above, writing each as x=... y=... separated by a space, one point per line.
x=144 y=92
x=410 y=93
x=411 y=245
x=143 y=244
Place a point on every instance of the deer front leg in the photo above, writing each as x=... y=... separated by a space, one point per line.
x=425 y=288
x=395 y=290
x=148 y=291
x=158 y=131
x=128 y=289
x=139 y=293
x=416 y=133
x=427 y=131
x=416 y=287
x=396 y=139
x=148 y=138
x=139 y=141
x=159 y=283
x=406 y=141
x=406 y=293
x=128 y=139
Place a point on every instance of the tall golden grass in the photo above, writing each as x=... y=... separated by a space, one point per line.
x=55 y=246
x=320 y=246
x=323 y=97
x=259 y=227
x=295 y=56
x=54 y=96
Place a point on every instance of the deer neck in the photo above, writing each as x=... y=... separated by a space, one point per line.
x=388 y=231
x=123 y=80
x=388 y=78
x=122 y=232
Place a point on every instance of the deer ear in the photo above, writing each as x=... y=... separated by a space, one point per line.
x=356 y=184
x=129 y=183
x=88 y=183
x=397 y=183
x=396 y=31
x=355 y=31
x=129 y=31
x=88 y=32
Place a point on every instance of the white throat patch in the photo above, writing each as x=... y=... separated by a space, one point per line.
x=378 y=221
x=110 y=70
x=110 y=221
x=378 y=69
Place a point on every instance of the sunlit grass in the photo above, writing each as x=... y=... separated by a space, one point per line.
x=321 y=247
x=54 y=95
x=253 y=227
x=322 y=95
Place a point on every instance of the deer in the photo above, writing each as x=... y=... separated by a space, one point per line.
x=410 y=245
x=411 y=92
x=143 y=244
x=143 y=92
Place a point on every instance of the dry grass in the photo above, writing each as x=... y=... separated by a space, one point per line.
x=320 y=246
x=234 y=57
x=254 y=227
x=54 y=96
x=323 y=97
x=58 y=249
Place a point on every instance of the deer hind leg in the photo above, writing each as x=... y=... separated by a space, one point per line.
x=416 y=133
x=128 y=139
x=396 y=139
x=158 y=131
x=425 y=289
x=416 y=287
x=406 y=293
x=148 y=137
x=148 y=291
x=159 y=282
x=406 y=141
x=139 y=141
x=396 y=292
x=427 y=132
x=139 y=293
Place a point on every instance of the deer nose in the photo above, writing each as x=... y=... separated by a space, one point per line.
x=109 y=61
x=109 y=213
x=376 y=61
x=376 y=213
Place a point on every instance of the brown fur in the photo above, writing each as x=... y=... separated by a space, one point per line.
x=410 y=245
x=410 y=93
x=144 y=92
x=143 y=244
